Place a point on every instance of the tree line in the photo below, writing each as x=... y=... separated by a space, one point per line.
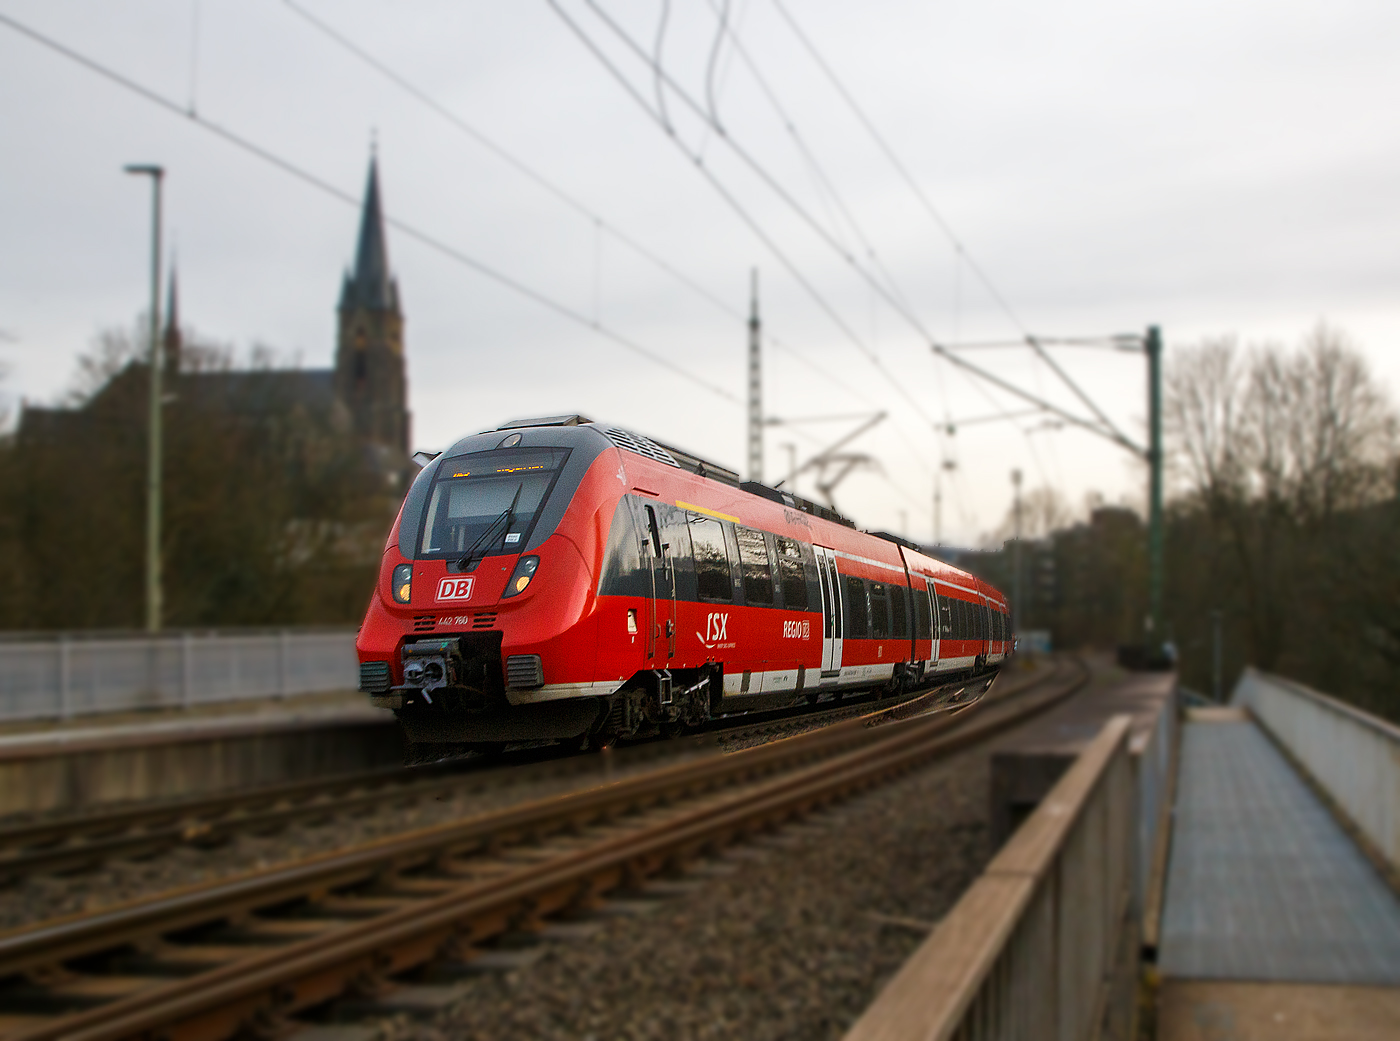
x=1283 y=515
x=272 y=513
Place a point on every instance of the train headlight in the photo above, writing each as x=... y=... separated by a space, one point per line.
x=402 y=583
x=524 y=572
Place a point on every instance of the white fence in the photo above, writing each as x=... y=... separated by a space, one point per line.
x=1353 y=755
x=66 y=676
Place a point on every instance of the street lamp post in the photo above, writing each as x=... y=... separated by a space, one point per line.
x=1152 y=347
x=1017 y=608
x=153 y=440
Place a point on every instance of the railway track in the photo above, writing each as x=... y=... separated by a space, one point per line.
x=73 y=843
x=245 y=955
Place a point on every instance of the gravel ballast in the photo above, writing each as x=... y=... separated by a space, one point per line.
x=788 y=937
x=37 y=898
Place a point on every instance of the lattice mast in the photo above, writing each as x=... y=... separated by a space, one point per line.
x=755 y=388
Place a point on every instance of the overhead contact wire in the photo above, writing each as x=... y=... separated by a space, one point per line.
x=959 y=247
x=314 y=181
x=733 y=202
x=543 y=182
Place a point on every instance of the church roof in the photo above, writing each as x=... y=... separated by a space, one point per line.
x=369 y=285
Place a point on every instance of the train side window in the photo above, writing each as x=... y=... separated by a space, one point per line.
x=753 y=563
x=922 y=629
x=945 y=616
x=792 y=576
x=622 y=573
x=879 y=611
x=899 y=612
x=857 y=608
x=713 y=575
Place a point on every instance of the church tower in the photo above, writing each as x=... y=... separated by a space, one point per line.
x=369 y=368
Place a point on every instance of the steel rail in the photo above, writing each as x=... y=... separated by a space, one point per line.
x=48 y=942
x=66 y=844
x=819 y=768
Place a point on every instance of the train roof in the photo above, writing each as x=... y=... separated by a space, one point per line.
x=678 y=457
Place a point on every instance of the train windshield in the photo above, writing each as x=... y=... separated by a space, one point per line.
x=487 y=502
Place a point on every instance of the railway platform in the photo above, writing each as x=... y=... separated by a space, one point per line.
x=1275 y=923
x=97 y=760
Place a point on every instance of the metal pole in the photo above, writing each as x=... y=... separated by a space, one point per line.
x=755 y=389
x=938 y=508
x=153 y=440
x=1016 y=612
x=1216 y=670
x=1155 y=633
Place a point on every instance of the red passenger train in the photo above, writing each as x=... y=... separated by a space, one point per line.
x=565 y=579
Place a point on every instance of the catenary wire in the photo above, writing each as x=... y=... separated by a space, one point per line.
x=734 y=203
x=757 y=229
x=306 y=177
x=757 y=168
x=938 y=218
x=357 y=51
x=661 y=39
x=825 y=184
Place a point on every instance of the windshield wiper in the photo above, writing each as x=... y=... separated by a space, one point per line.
x=507 y=515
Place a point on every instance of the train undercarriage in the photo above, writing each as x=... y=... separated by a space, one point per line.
x=455 y=700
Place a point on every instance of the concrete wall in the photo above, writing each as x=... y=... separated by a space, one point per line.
x=80 y=769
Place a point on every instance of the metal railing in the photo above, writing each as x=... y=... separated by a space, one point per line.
x=1353 y=755
x=1027 y=951
x=1152 y=753
x=64 y=676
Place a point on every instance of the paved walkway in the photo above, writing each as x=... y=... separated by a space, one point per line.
x=1263 y=882
x=1265 y=888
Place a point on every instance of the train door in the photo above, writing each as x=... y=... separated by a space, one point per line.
x=662 y=642
x=935 y=628
x=831 y=610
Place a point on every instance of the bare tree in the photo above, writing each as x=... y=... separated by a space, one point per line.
x=1043 y=510
x=1279 y=454
x=1204 y=406
x=1341 y=434
x=111 y=351
x=6 y=409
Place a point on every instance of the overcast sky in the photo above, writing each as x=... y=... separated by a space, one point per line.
x=1209 y=167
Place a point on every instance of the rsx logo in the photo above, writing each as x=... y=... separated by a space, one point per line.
x=716 y=625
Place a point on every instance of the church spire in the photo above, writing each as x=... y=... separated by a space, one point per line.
x=172 y=341
x=369 y=286
x=369 y=365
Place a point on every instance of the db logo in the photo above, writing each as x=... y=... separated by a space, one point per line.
x=797 y=630
x=455 y=588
